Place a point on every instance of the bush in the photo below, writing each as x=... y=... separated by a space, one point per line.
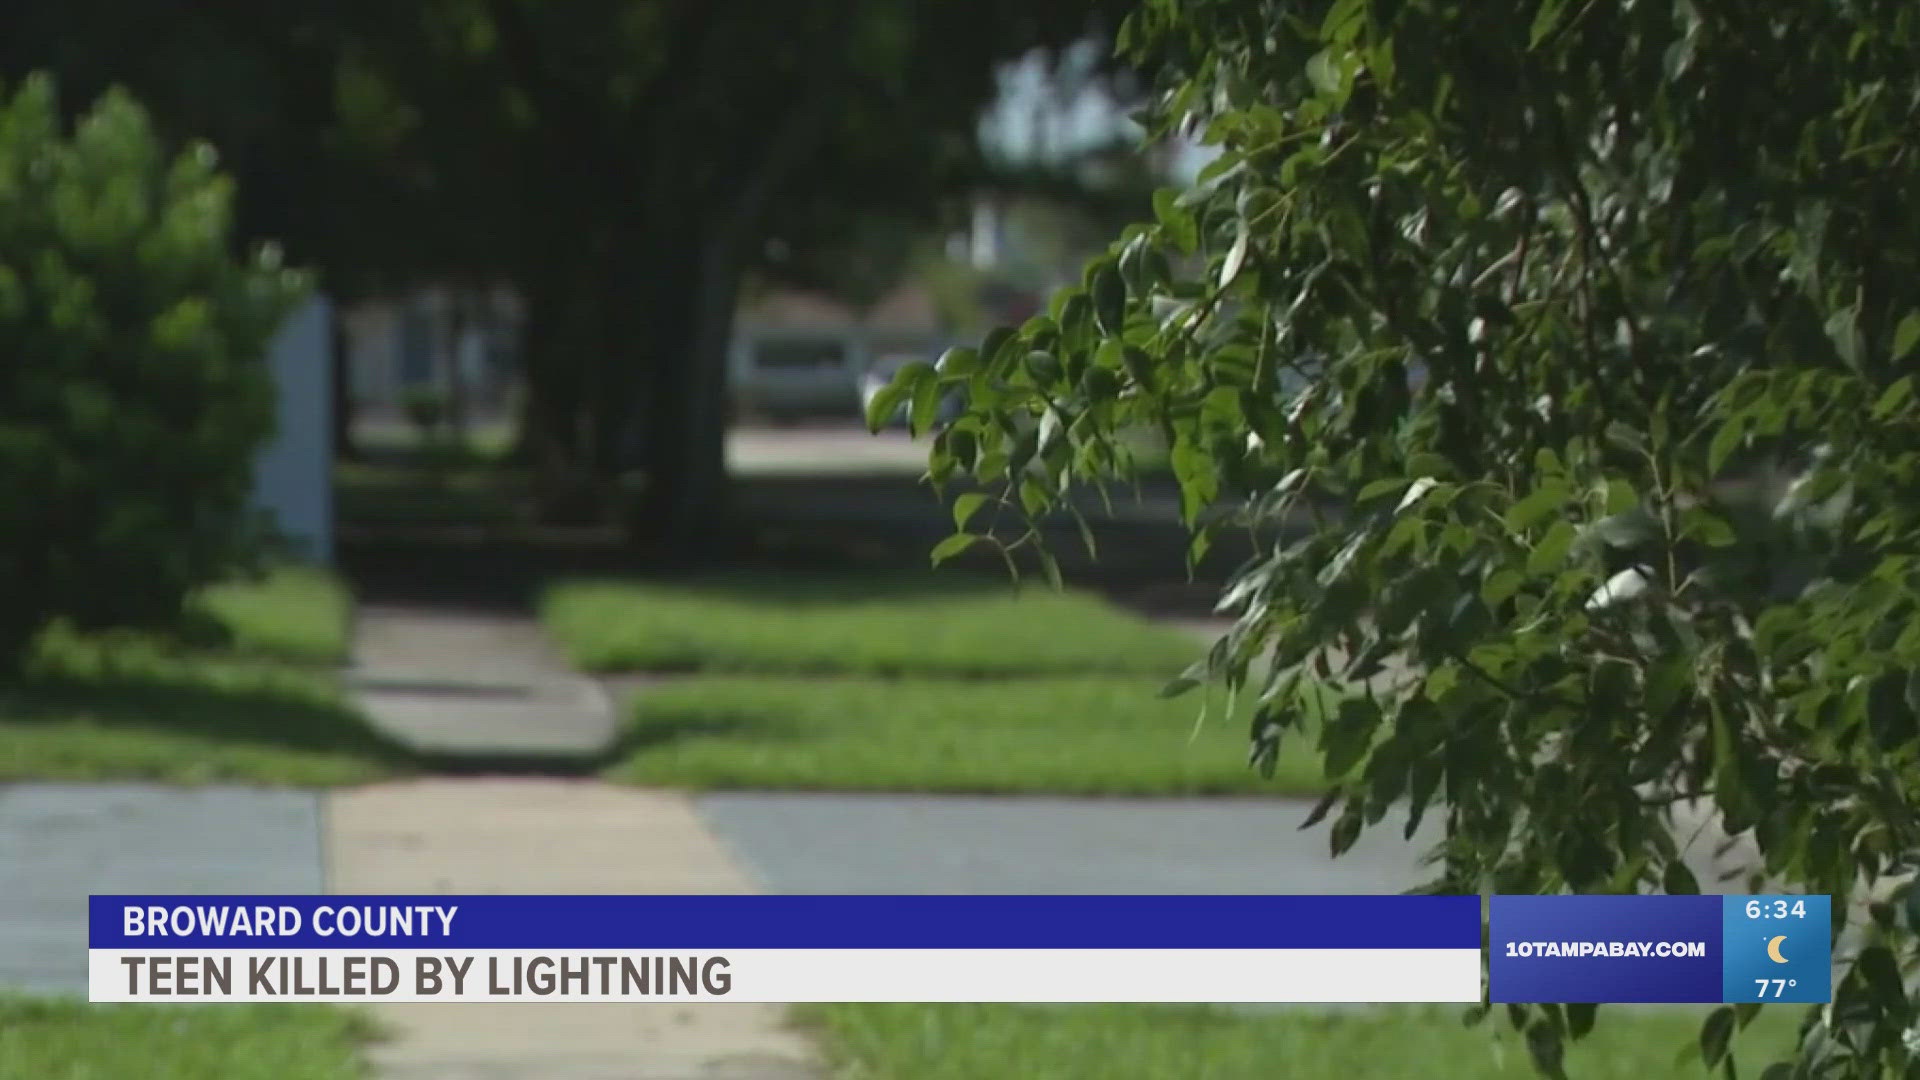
x=133 y=385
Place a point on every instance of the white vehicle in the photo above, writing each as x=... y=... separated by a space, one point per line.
x=792 y=376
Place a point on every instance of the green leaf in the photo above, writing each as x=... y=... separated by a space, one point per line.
x=996 y=340
x=1323 y=71
x=1896 y=395
x=1320 y=809
x=1678 y=880
x=1175 y=220
x=1043 y=368
x=1033 y=496
x=1544 y=20
x=886 y=402
x=1501 y=585
x=1051 y=425
x=1882 y=973
x=1843 y=328
x=1236 y=257
x=1547 y=1048
x=1889 y=717
x=926 y=405
x=1545 y=501
x=957 y=363
x=1415 y=492
x=1714 y=1035
x=1380 y=487
x=1906 y=335
x=1580 y=1017
x=1344 y=832
x=1021 y=455
x=1706 y=527
x=1345 y=739
x=1725 y=442
x=966 y=506
x=1620 y=496
x=1199 y=480
x=1344 y=20
x=951 y=546
x=1179 y=686
x=1552 y=549
x=1050 y=566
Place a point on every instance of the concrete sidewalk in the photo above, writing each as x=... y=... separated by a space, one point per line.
x=461 y=683
x=480 y=686
x=59 y=843
x=551 y=836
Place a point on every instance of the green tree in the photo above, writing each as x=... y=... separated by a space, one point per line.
x=626 y=160
x=620 y=162
x=134 y=390
x=1535 y=296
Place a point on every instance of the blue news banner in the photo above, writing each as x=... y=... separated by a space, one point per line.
x=1631 y=949
x=962 y=948
x=788 y=948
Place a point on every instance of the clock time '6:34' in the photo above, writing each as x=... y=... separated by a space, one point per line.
x=1776 y=909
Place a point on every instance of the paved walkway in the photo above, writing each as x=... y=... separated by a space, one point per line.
x=490 y=687
x=472 y=684
x=810 y=843
x=60 y=843
x=551 y=836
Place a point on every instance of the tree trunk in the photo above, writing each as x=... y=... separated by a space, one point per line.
x=683 y=502
x=341 y=387
x=553 y=403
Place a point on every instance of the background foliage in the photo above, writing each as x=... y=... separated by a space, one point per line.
x=1494 y=323
x=133 y=385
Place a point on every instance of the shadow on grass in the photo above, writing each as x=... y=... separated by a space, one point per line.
x=289 y=712
x=830 y=586
x=661 y=733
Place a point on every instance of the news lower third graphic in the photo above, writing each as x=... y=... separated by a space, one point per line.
x=1199 y=949
x=1634 y=949
x=786 y=948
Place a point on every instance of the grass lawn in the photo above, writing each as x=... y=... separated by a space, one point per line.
x=875 y=624
x=73 y=1040
x=417 y=490
x=296 y=614
x=248 y=696
x=1121 y=1042
x=1057 y=735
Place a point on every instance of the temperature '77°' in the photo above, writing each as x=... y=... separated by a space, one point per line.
x=1779 y=986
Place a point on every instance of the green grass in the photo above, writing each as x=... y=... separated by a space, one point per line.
x=419 y=491
x=1062 y=735
x=877 y=624
x=246 y=696
x=69 y=1040
x=1124 y=1042
x=296 y=613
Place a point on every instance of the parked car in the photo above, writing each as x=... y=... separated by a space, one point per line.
x=792 y=376
x=881 y=373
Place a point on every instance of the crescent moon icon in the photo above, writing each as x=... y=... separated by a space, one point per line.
x=1773 y=950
